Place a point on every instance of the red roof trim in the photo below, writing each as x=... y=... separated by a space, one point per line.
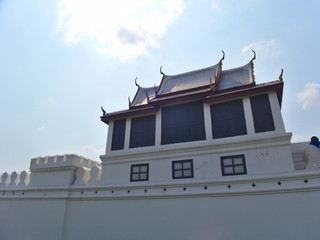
x=233 y=93
x=184 y=91
x=207 y=97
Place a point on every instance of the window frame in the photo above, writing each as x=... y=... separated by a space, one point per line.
x=242 y=156
x=118 y=134
x=231 y=114
x=139 y=172
x=183 y=122
x=263 y=119
x=174 y=170
x=138 y=138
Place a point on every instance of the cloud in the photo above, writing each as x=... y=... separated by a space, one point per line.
x=124 y=29
x=51 y=100
x=310 y=95
x=215 y=5
x=41 y=129
x=262 y=47
x=94 y=150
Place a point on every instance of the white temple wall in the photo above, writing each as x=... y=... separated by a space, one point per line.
x=49 y=178
x=31 y=219
x=292 y=215
x=276 y=112
x=274 y=216
x=263 y=155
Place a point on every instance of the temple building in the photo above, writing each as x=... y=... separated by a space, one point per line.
x=204 y=125
x=202 y=155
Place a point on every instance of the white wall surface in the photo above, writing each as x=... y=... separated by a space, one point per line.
x=279 y=216
x=276 y=216
x=31 y=219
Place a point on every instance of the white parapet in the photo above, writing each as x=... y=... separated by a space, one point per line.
x=5 y=179
x=311 y=156
x=95 y=176
x=59 y=170
x=297 y=150
x=82 y=176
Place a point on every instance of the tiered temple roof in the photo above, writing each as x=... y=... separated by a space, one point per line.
x=209 y=84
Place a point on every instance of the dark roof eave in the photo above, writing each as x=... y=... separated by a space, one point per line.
x=277 y=86
x=208 y=97
x=128 y=113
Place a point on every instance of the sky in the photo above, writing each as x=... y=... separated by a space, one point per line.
x=61 y=60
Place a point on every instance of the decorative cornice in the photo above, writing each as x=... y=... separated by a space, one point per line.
x=295 y=182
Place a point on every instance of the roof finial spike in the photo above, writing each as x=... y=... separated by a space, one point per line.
x=135 y=81
x=155 y=90
x=254 y=56
x=222 y=56
x=161 y=71
x=129 y=102
x=103 y=111
x=211 y=86
x=281 y=74
x=147 y=97
x=215 y=77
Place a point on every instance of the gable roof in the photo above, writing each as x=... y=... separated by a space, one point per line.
x=236 y=77
x=209 y=84
x=190 y=80
x=143 y=95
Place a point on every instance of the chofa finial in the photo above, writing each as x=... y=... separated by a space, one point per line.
x=161 y=70
x=280 y=77
x=103 y=111
x=222 y=56
x=135 y=81
x=254 y=56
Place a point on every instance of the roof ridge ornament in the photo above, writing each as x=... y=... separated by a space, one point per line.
x=155 y=90
x=215 y=78
x=222 y=56
x=161 y=71
x=148 y=100
x=103 y=111
x=254 y=56
x=130 y=103
x=281 y=74
x=211 y=86
x=135 y=81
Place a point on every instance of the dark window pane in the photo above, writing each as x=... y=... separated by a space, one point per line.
x=119 y=128
x=261 y=112
x=182 y=123
x=182 y=169
x=142 y=131
x=228 y=119
x=233 y=165
x=139 y=172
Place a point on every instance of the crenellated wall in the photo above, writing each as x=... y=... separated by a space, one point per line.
x=59 y=170
x=64 y=198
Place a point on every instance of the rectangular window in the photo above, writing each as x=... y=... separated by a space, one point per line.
x=142 y=131
x=182 y=123
x=139 y=172
x=182 y=169
x=228 y=119
x=233 y=165
x=261 y=112
x=119 y=128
